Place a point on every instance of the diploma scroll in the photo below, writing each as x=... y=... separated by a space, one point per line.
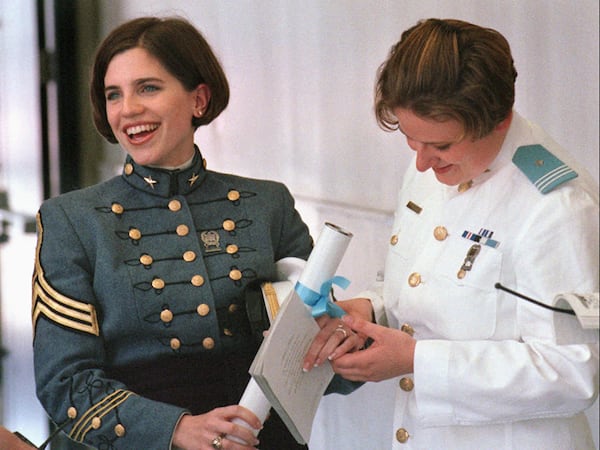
x=318 y=275
x=313 y=287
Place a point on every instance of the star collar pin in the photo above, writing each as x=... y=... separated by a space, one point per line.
x=193 y=179
x=151 y=182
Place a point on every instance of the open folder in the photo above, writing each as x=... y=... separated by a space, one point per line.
x=277 y=368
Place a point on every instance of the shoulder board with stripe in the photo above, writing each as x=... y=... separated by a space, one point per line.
x=543 y=169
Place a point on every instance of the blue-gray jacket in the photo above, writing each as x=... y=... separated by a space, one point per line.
x=144 y=266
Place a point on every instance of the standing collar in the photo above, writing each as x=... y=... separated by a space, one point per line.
x=166 y=183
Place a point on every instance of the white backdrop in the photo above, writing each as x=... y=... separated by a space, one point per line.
x=302 y=74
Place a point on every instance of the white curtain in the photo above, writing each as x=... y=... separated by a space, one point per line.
x=302 y=75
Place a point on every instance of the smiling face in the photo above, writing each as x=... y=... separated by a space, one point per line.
x=149 y=110
x=441 y=147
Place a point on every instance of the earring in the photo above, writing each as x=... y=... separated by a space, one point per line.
x=200 y=113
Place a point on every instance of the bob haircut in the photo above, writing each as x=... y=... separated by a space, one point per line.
x=178 y=46
x=448 y=70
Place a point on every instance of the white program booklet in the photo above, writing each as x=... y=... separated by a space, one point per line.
x=277 y=368
x=584 y=305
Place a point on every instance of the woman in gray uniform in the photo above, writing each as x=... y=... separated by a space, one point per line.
x=142 y=340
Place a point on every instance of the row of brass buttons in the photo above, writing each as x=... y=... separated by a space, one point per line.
x=208 y=343
x=188 y=256
x=181 y=230
x=440 y=233
x=406 y=384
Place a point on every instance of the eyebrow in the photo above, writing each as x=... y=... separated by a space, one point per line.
x=137 y=82
x=440 y=143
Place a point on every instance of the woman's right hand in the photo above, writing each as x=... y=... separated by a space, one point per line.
x=358 y=307
x=334 y=340
x=199 y=432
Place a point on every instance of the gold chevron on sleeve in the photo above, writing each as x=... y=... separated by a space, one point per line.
x=65 y=311
x=92 y=418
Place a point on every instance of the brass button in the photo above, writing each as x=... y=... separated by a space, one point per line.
x=208 y=343
x=407 y=329
x=182 y=230
x=440 y=233
x=402 y=435
x=189 y=256
x=203 y=309
x=135 y=234
x=232 y=308
x=146 y=260
x=96 y=423
x=116 y=208
x=158 y=283
x=227 y=332
x=235 y=275
x=394 y=239
x=119 y=430
x=72 y=412
x=407 y=384
x=462 y=187
x=232 y=249
x=233 y=196
x=166 y=315
x=414 y=279
x=128 y=169
x=175 y=343
x=229 y=225
x=197 y=280
x=174 y=205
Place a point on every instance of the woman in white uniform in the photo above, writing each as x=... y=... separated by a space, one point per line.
x=490 y=198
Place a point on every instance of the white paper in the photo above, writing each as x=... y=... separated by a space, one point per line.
x=586 y=307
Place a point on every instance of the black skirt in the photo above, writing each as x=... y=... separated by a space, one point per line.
x=201 y=384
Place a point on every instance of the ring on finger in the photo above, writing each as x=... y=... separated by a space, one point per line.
x=217 y=443
x=340 y=328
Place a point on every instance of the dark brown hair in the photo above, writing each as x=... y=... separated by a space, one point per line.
x=179 y=47
x=448 y=69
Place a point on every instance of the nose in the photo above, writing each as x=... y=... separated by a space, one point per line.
x=425 y=155
x=131 y=105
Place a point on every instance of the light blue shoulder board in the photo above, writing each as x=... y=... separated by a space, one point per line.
x=542 y=168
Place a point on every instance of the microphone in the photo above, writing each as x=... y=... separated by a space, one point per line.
x=536 y=302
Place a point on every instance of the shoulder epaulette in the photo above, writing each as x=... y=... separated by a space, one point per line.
x=542 y=168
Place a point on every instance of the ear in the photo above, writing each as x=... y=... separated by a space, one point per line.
x=503 y=126
x=201 y=99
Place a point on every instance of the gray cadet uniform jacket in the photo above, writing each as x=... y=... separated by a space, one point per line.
x=148 y=265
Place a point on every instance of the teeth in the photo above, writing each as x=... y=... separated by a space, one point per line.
x=140 y=128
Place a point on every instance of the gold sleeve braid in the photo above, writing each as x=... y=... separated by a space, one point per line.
x=47 y=301
x=271 y=298
x=92 y=418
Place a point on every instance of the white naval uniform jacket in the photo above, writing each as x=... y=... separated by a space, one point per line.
x=493 y=371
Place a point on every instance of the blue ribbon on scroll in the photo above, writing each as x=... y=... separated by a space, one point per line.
x=319 y=301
